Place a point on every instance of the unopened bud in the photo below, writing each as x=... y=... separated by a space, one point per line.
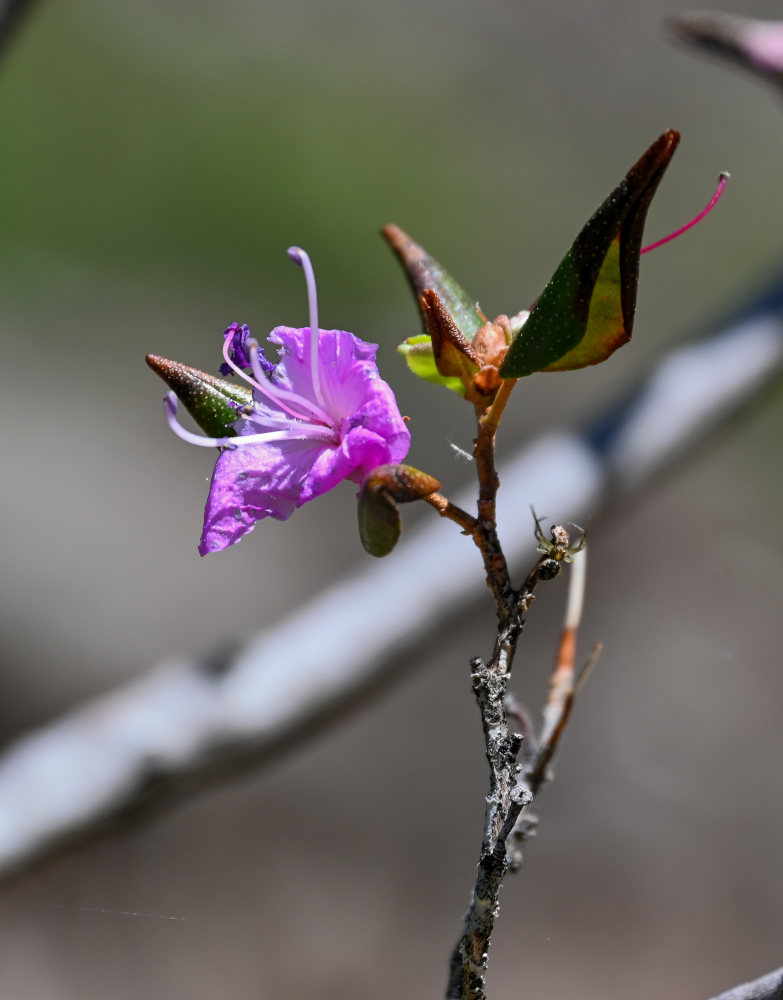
x=402 y=483
x=212 y=402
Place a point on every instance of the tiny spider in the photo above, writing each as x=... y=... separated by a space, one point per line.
x=558 y=547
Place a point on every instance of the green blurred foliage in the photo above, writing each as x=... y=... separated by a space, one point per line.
x=180 y=148
x=144 y=165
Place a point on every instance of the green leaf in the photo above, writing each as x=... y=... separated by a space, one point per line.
x=586 y=311
x=380 y=524
x=425 y=272
x=207 y=399
x=420 y=356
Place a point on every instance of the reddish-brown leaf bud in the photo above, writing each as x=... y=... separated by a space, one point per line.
x=402 y=483
x=454 y=355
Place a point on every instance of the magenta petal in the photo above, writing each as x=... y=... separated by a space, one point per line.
x=379 y=413
x=249 y=484
x=345 y=363
x=359 y=452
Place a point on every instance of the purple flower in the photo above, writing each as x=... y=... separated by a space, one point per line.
x=320 y=415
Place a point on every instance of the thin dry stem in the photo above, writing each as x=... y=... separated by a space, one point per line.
x=447 y=509
x=492 y=417
x=539 y=772
x=486 y=537
x=512 y=785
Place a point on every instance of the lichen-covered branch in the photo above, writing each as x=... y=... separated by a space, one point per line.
x=508 y=794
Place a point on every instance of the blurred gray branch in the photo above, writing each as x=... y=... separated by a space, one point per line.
x=194 y=719
x=769 y=987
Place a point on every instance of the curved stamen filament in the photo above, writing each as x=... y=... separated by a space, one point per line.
x=305 y=432
x=294 y=432
x=258 y=417
x=302 y=258
x=274 y=392
x=256 y=414
x=264 y=386
x=724 y=177
x=170 y=405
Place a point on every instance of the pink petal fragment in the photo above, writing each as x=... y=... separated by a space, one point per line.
x=249 y=484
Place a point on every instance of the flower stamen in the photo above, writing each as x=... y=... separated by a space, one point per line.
x=302 y=258
x=723 y=180
x=273 y=392
x=256 y=415
x=301 y=432
x=170 y=406
x=293 y=432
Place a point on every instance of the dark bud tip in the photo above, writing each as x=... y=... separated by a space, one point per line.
x=210 y=400
x=162 y=366
x=399 y=241
x=423 y=272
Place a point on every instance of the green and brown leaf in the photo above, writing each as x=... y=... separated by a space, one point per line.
x=587 y=310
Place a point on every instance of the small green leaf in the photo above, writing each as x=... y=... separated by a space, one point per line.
x=420 y=356
x=380 y=524
x=425 y=272
x=207 y=399
x=586 y=311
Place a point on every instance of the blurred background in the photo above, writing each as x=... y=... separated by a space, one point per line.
x=157 y=160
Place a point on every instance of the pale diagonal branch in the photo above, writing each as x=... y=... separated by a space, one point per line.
x=769 y=987
x=195 y=718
